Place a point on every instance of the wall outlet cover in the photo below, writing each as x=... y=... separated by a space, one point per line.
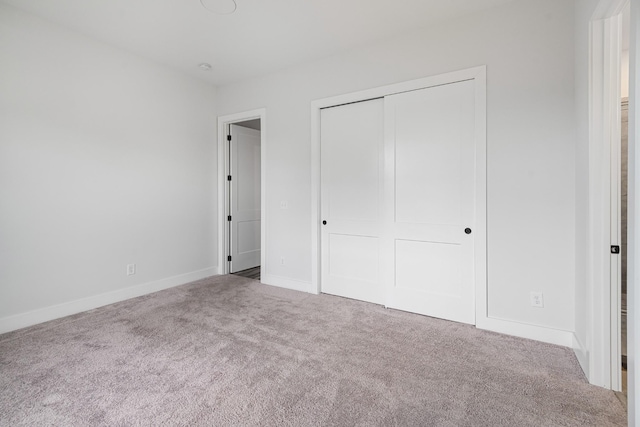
x=537 y=300
x=131 y=269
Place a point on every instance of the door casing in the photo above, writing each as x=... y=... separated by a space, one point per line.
x=600 y=355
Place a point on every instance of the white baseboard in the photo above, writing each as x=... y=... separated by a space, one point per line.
x=285 y=282
x=524 y=330
x=581 y=354
x=22 y=320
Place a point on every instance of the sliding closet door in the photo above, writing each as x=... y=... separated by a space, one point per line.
x=352 y=140
x=429 y=209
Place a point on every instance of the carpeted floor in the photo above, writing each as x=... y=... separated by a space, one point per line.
x=227 y=351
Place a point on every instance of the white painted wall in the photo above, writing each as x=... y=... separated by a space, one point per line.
x=105 y=159
x=528 y=49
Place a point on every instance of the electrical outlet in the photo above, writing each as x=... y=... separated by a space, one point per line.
x=131 y=269
x=282 y=260
x=284 y=204
x=537 y=300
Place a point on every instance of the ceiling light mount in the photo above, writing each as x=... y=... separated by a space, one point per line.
x=219 y=7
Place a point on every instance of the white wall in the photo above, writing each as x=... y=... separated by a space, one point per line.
x=105 y=159
x=528 y=49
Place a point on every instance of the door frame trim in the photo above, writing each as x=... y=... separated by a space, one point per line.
x=223 y=189
x=603 y=296
x=478 y=74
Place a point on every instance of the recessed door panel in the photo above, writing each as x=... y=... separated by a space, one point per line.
x=352 y=168
x=353 y=257
x=248 y=236
x=428 y=154
x=430 y=268
x=247 y=173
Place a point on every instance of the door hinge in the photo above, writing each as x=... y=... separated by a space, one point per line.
x=615 y=249
x=228 y=177
x=229 y=258
x=228 y=217
x=228 y=137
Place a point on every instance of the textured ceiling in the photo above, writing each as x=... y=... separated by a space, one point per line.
x=262 y=36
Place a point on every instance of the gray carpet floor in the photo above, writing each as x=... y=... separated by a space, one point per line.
x=228 y=351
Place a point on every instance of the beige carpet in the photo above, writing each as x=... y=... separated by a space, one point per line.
x=227 y=351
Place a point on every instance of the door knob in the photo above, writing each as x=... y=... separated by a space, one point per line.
x=324 y=222
x=467 y=230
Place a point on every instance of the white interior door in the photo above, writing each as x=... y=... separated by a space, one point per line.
x=352 y=142
x=244 y=167
x=429 y=201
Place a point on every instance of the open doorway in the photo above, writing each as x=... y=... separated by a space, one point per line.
x=243 y=215
x=241 y=161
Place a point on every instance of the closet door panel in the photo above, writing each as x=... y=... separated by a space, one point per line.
x=351 y=178
x=429 y=201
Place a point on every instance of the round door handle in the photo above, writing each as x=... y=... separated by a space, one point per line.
x=324 y=222
x=467 y=230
